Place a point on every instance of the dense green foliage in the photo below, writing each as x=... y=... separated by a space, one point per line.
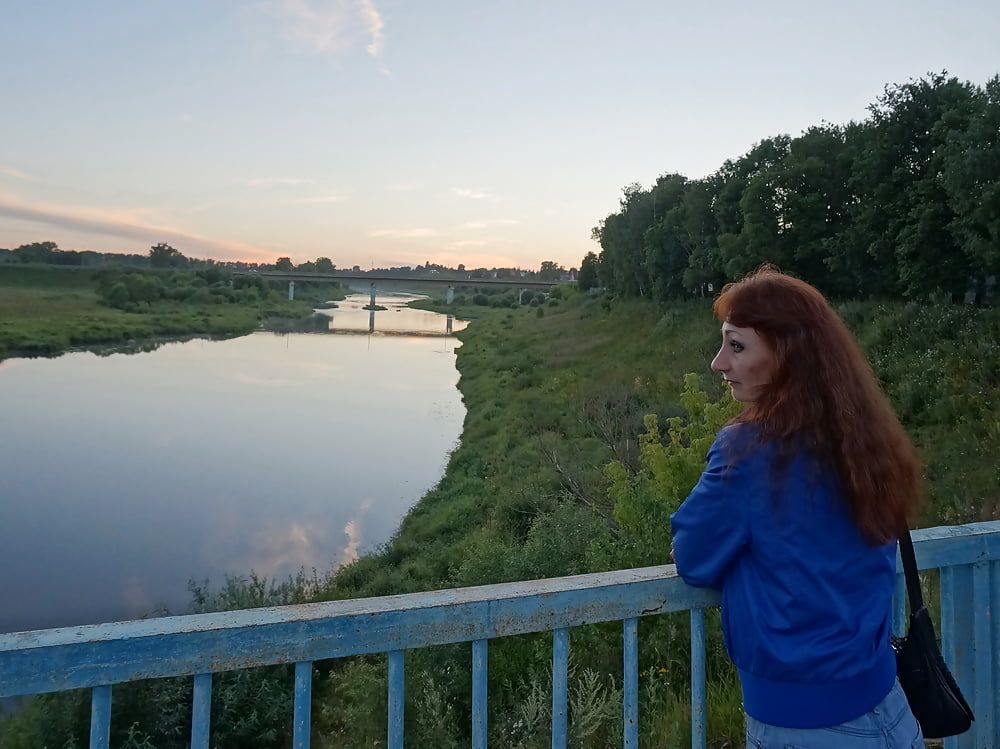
x=45 y=309
x=562 y=470
x=904 y=204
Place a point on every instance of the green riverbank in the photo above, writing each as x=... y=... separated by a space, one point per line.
x=554 y=395
x=551 y=401
x=45 y=310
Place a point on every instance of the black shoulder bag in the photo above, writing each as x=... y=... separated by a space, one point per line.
x=934 y=697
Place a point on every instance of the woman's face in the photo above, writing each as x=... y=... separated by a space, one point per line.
x=745 y=361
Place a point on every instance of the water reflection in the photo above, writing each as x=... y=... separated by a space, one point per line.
x=127 y=475
x=350 y=316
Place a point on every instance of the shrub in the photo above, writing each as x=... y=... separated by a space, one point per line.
x=481 y=300
x=117 y=296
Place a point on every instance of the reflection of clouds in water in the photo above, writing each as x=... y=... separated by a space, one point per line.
x=137 y=600
x=353 y=532
x=317 y=369
x=279 y=549
x=301 y=370
x=350 y=552
x=247 y=379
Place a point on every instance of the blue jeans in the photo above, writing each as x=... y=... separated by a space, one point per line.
x=889 y=725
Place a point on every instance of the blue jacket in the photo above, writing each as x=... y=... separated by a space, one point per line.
x=806 y=602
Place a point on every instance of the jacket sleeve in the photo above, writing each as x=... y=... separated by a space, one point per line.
x=712 y=527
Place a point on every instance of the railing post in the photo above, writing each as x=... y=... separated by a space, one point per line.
x=100 y=717
x=697 y=678
x=396 y=696
x=995 y=624
x=984 y=700
x=630 y=693
x=480 y=712
x=560 y=675
x=201 y=711
x=957 y=642
x=899 y=621
x=302 y=711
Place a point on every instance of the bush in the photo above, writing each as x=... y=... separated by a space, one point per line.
x=481 y=300
x=117 y=296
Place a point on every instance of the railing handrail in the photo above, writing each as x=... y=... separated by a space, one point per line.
x=94 y=655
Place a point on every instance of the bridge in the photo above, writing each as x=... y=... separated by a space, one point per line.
x=431 y=280
x=96 y=657
x=400 y=281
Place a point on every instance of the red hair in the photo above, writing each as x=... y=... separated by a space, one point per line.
x=823 y=393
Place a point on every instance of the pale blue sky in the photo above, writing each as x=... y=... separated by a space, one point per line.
x=489 y=133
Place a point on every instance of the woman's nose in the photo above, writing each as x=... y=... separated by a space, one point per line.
x=718 y=363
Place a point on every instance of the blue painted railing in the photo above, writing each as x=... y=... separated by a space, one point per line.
x=99 y=656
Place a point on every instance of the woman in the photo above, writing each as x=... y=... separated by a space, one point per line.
x=795 y=520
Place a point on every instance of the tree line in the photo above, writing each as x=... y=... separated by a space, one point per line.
x=904 y=204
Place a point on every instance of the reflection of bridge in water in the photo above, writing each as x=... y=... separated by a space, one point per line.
x=353 y=316
x=449 y=323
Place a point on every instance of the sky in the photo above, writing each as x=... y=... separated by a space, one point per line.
x=385 y=132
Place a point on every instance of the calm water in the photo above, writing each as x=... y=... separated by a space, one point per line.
x=127 y=475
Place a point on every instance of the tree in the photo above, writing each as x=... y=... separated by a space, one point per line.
x=971 y=177
x=550 y=271
x=325 y=265
x=37 y=252
x=163 y=255
x=284 y=263
x=589 y=272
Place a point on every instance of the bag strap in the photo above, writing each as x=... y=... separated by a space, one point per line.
x=910 y=570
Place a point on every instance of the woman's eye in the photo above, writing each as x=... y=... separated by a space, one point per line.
x=736 y=346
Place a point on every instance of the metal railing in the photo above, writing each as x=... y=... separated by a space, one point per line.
x=99 y=656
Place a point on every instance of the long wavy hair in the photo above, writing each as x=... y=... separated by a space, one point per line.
x=823 y=393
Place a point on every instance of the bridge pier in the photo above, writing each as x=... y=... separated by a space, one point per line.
x=520 y=296
x=291 y=290
x=449 y=295
x=372 y=301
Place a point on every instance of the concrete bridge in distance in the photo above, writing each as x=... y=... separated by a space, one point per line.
x=382 y=278
x=447 y=282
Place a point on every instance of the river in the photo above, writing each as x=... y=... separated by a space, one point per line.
x=126 y=475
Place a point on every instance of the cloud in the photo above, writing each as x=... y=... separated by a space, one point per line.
x=403 y=233
x=126 y=225
x=317 y=199
x=16 y=173
x=330 y=26
x=373 y=22
x=490 y=222
x=405 y=186
x=464 y=192
x=470 y=243
x=275 y=181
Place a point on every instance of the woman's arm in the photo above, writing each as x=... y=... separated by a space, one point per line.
x=711 y=528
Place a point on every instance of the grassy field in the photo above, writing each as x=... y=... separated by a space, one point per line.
x=45 y=310
x=554 y=395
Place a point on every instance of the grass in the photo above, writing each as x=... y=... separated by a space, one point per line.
x=553 y=394
x=45 y=310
